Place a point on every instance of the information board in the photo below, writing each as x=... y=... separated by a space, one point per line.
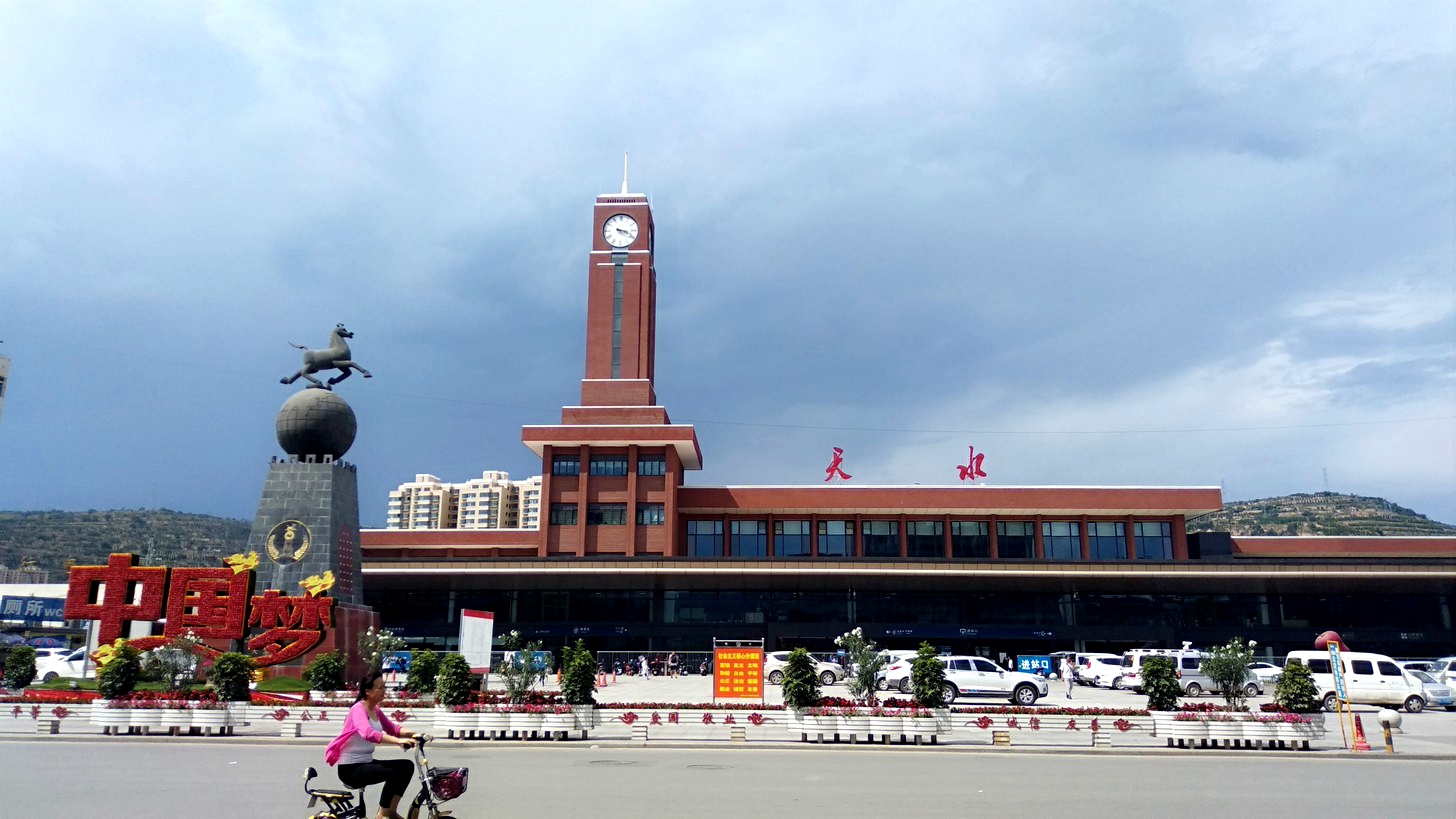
x=738 y=673
x=1034 y=664
x=33 y=609
x=1338 y=670
x=477 y=632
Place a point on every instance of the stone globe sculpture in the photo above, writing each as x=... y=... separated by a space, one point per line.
x=318 y=423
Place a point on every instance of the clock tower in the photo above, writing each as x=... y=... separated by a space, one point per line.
x=612 y=467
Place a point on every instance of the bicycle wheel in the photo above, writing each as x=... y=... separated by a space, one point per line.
x=422 y=808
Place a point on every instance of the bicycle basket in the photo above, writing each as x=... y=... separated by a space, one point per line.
x=448 y=783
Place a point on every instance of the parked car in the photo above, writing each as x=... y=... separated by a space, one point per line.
x=1445 y=670
x=1436 y=693
x=896 y=674
x=979 y=677
x=1266 y=673
x=882 y=677
x=1100 y=670
x=774 y=662
x=1370 y=679
x=65 y=664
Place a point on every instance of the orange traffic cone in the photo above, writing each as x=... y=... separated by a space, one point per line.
x=1360 y=743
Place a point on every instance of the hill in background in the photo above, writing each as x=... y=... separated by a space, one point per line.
x=1321 y=513
x=162 y=537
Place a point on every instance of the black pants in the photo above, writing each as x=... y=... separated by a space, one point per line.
x=394 y=773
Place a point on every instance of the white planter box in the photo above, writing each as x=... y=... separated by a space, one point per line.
x=147 y=719
x=179 y=718
x=555 y=724
x=526 y=724
x=453 y=724
x=493 y=722
x=111 y=720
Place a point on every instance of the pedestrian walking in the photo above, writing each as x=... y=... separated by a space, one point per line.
x=672 y=664
x=1067 y=673
x=646 y=669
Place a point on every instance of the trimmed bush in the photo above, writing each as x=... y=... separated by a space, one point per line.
x=927 y=677
x=578 y=675
x=1296 y=690
x=801 y=680
x=119 y=676
x=325 y=672
x=229 y=676
x=420 y=679
x=1160 y=683
x=454 y=682
x=20 y=667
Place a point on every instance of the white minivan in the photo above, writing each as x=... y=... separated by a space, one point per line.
x=1370 y=679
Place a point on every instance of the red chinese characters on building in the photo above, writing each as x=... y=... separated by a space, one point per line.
x=972 y=469
x=836 y=467
x=116 y=594
x=294 y=625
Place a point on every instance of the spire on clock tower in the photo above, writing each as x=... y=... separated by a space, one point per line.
x=624 y=173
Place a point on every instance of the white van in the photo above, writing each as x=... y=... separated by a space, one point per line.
x=1186 y=662
x=1370 y=679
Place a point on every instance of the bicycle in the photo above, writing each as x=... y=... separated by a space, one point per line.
x=437 y=785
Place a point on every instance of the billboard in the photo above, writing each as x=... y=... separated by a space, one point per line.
x=738 y=673
x=33 y=609
x=477 y=631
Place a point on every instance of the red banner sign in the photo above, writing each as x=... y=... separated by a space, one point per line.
x=738 y=673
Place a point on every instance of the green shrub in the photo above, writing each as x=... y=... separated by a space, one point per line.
x=19 y=667
x=230 y=674
x=801 y=680
x=1228 y=667
x=865 y=662
x=420 y=679
x=119 y=676
x=283 y=685
x=927 y=677
x=325 y=672
x=522 y=665
x=1296 y=690
x=578 y=675
x=1160 y=683
x=454 y=682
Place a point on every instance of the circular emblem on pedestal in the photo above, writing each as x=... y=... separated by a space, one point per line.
x=288 y=542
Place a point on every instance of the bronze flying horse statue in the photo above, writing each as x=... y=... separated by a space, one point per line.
x=336 y=357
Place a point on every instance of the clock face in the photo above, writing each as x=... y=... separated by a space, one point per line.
x=620 y=230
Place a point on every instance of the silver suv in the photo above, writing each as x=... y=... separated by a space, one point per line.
x=979 y=677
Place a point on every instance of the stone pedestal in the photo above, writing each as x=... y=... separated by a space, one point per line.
x=307 y=524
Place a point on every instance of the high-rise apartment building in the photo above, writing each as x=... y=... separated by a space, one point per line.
x=492 y=501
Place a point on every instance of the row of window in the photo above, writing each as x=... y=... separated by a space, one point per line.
x=607 y=514
x=1061 y=540
x=608 y=465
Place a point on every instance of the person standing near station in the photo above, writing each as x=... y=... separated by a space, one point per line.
x=1067 y=673
x=672 y=664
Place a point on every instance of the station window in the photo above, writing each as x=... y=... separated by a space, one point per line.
x=705 y=538
x=836 y=538
x=566 y=465
x=652 y=466
x=606 y=514
x=609 y=465
x=1107 y=540
x=1154 y=540
x=563 y=514
x=748 y=538
x=881 y=538
x=970 y=539
x=1062 y=539
x=650 y=514
x=924 y=538
x=1015 y=538
x=791 y=538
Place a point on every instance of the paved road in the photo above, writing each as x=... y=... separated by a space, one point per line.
x=124 y=779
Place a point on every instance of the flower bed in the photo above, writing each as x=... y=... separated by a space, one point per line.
x=1204 y=727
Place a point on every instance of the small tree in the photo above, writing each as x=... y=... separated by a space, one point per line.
x=578 y=675
x=118 y=675
x=1160 y=683
x=1296 y=690
x=1228 y=667
x=801 y=680
x=375 y=645
x=454 y=682
x=522 y=666
x=325 y=672
x=173 y=663
x=230 y=674
x=927 y=677
x=865 y=662
x=424 y=665
x=20 y=667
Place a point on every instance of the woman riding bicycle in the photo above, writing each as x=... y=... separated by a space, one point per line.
x=353 y=749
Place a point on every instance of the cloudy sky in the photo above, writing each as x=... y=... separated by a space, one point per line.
x=1104 y=243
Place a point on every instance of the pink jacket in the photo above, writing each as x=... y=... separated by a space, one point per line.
x=358 y=723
